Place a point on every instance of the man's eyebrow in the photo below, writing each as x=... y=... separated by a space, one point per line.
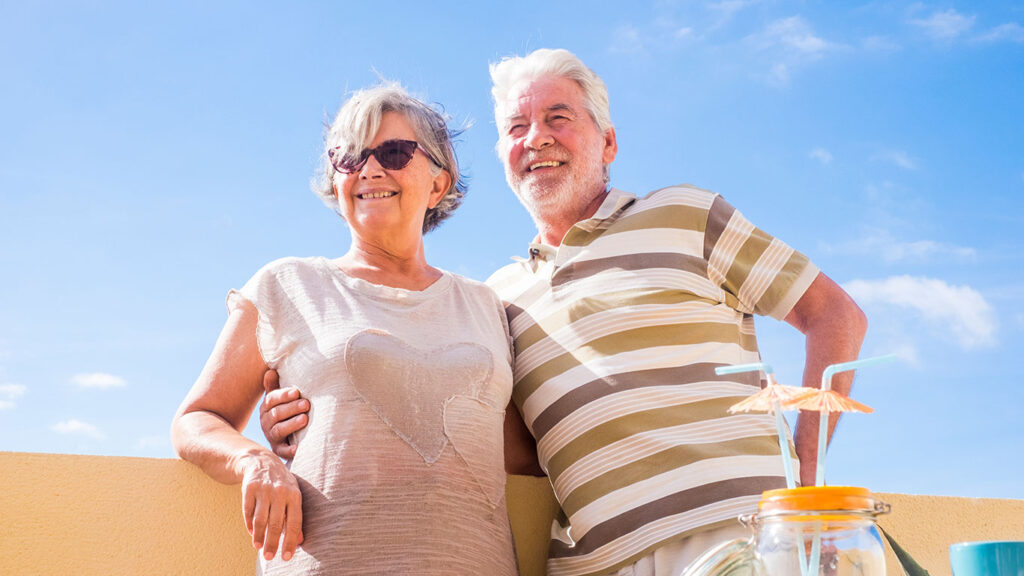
x=560 y=107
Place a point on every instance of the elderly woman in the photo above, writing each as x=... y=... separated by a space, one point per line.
x=405 y=366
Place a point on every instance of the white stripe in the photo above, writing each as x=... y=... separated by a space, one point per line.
x=628 y=402
x=676 y=241
x=613 y=281
x=635 y=360
x=600 y=324
x=729 y=243
x=674 y=196
x=671 y=482
x=762 y=273
x=641 y=445
x=639 y=540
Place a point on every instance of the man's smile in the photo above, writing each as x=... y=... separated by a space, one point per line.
x=545 y=164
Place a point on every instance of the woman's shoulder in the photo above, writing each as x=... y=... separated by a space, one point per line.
x=294 y=265
x=470 y=286
x=290 y=270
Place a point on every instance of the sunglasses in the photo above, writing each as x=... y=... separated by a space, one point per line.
x=391 y=155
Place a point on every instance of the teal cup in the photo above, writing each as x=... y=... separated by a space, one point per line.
x=987 y=558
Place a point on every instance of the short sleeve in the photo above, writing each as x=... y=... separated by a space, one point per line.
x=264 y=291
x=759 y=273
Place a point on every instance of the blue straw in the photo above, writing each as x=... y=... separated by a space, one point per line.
x=823 y=418
x=787 y=461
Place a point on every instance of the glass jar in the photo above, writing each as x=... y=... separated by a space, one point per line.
x=812 y=531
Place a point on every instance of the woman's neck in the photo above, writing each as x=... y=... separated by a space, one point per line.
x=406 y=269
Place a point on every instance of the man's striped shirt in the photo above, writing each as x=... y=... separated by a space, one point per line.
x=617 y=333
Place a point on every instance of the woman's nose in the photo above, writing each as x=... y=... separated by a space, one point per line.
x=371 y=169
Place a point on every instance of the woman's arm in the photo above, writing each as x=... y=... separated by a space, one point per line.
x=207 y=428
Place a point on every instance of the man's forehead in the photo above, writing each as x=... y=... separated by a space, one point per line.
x=545 y=91
x=515 y=111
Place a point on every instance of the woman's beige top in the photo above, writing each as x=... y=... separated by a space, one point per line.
x=401 y=465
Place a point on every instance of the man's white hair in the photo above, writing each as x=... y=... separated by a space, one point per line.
x=546 y=62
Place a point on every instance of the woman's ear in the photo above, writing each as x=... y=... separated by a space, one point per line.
x=442 y=182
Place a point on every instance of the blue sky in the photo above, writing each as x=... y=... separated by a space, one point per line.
x=154 y=157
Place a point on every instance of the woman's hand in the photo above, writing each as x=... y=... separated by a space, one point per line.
x=271 y=504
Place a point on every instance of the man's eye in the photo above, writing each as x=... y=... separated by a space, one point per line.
x=517 y=129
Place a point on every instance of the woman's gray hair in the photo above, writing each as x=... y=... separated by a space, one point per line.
x=357 y=123
x=547 y=62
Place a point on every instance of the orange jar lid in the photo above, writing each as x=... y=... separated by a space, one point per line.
x=812 y=498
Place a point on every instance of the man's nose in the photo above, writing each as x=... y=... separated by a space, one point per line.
x=538 y=137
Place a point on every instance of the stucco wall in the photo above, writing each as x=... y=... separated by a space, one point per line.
x=92 y=515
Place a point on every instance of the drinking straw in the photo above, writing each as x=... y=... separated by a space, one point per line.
x=819 y=480
x=776 y=408
x=826 y=385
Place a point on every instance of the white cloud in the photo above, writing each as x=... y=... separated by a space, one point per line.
x=882 y=244
x=906 y=352
x=880 y=44
x=946 y=25
x=9 y=393
x=149 y=442
x=1009 y=32
x=683 y=33
x=960 y=312
x=98 y=380
x=821 y=155
x=626 y=40
x=12 y=391
x=726 y=9
x=789 y=44
x=779 y=74
x=77 y=428
x=794 y=34
x=897 y=158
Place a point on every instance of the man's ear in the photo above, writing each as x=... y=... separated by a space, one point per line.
x=611 y=146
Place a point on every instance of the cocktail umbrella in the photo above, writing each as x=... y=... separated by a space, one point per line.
x=771 y=399
x=826 y=401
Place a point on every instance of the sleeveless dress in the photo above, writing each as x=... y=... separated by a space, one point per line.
x=401 y=466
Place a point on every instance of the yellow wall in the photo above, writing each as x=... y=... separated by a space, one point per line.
x=93 y=515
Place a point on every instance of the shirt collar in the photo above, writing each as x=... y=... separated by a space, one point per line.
x=609 y=209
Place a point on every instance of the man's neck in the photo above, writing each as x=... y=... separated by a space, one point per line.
x=553 y=228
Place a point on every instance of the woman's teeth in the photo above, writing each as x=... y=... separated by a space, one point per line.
x=369 y=195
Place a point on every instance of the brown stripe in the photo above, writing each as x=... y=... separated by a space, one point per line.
x=601 y=387
x=718 y=218
x=783 y=281
x=677 y=503
x=535 y=292
x=625 y=341
x=665 y=461
x=747 y=256
x=577 y=236
x=643 y=261
x=616 y=429
x=673 y=216
x=582 y=307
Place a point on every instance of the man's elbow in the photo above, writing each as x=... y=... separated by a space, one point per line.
x=856 y=320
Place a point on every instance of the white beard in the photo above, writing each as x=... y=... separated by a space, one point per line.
x=563 y=198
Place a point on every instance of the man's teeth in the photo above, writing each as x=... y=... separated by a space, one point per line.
x=369 y=195
x=548 y=164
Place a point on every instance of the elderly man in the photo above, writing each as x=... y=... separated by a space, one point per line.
x=619 y=316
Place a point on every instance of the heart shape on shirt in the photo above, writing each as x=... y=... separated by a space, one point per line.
x=470 y=426
x=408 y=387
